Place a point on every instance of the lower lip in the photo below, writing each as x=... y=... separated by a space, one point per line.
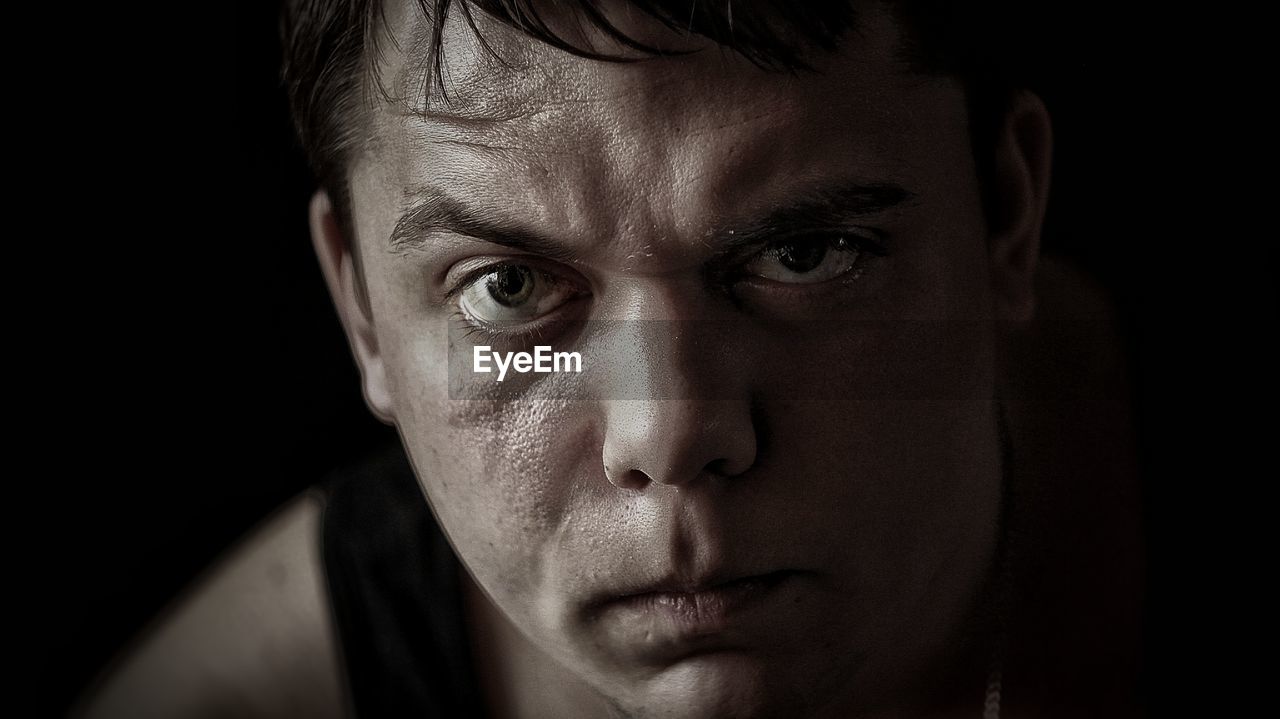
x=677 y=615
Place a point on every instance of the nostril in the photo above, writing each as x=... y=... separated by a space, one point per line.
x=675 y=442
x=721 y=468
x=626 y=478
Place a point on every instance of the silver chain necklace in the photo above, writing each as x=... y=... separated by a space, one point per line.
x=991 y=706
x=1004 y=572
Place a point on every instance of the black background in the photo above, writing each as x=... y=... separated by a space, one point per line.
x=179 y=370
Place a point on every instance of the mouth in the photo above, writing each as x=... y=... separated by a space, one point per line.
x=707 y=603
x=684 y=610
x=676 y=586
x=688 y=594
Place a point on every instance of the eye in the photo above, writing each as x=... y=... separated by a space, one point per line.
x=509 y=293
x=808 y=259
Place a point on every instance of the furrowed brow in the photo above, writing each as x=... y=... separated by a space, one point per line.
x=828 y=207
x=822 y=208
x=440 y=212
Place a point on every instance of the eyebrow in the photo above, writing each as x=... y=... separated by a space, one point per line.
x=439 y=211
x=823 y=207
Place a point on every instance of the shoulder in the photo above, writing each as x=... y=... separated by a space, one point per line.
x=252 y=637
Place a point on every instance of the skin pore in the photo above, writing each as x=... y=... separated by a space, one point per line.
x=820 y=409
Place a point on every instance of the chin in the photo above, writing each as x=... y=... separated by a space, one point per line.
x=716 y=685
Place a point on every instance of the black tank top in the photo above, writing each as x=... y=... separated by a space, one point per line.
x=394 y=587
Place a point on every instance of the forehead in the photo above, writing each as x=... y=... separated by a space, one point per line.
x=556 y=135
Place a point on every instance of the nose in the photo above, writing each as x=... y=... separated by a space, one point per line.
x=681 y=419
x=676 y=441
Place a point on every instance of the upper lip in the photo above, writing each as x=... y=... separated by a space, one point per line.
x=673 y=582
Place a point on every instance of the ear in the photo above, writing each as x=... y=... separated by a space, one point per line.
x=338 y=262
x=1021 y=171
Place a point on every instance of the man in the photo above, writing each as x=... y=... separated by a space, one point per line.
x=782 y=243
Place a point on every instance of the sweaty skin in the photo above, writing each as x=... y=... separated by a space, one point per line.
x=841 y=432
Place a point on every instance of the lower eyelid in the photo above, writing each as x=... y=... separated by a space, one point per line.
x=562 y=312
x=523 y=336
x=864 y=266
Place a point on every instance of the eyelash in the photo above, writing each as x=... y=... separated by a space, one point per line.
x=871 y=242
x=859 y=241
x=473 y=276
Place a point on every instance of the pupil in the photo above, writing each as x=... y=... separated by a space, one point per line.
x=511 y=285
x=802 y=256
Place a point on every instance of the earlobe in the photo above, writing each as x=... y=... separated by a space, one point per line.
x=338 y=263
x=1023 y=166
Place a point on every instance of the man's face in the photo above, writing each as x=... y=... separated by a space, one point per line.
x=758 y=398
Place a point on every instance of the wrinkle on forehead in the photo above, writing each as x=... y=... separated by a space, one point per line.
x=492 y=74
x=402 y=60
x=496 y=72
x=524 y=78
x=659 y=147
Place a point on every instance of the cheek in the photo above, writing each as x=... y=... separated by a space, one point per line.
x=914 y=472
x=899 y=500
x=899 y=456
x=499 y=474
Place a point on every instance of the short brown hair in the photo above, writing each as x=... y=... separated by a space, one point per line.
x=329 y=46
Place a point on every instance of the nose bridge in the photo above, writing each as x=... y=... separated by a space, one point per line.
x=675 y=414
x=658 y=358
x=660 y=343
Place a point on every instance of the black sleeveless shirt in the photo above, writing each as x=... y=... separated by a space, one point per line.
x=394 y=587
